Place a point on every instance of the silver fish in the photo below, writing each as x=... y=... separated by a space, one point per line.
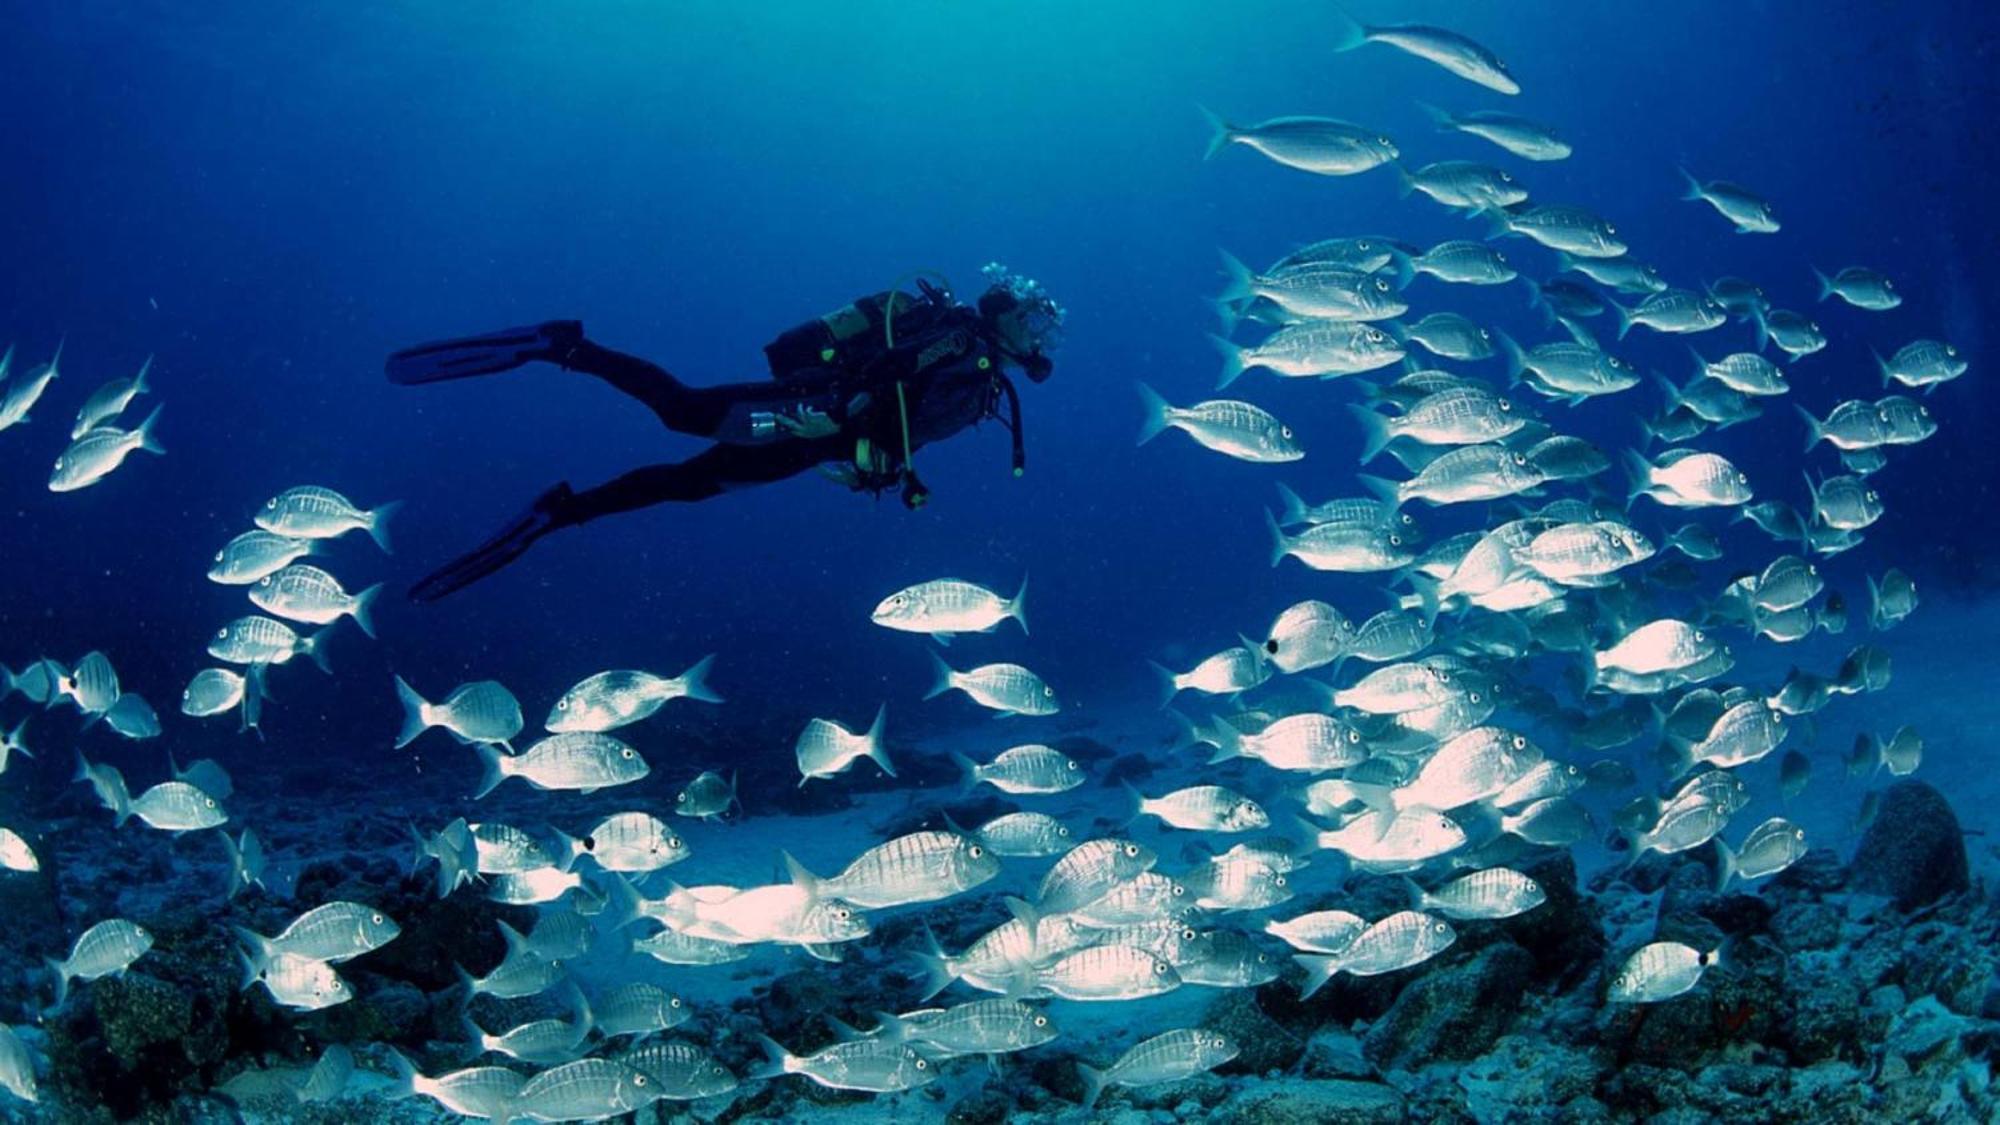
x=1007 y=688
x=1922 y=364
x=1464 y=262
x=306 y=593
x=1859 y=286
x=1167 y=1057
x=681 y=1071
x=919 y=867
x=97 y=454
x=1529 y=140
x=1311 y=144
x=103 y=950
x=1770 y=848
x=255 y=554
x=877 y=1066
x=260 y=640
x=1030 y=769
x=946 y=607
x=582 y=761
x=311 y=512
x=1751 y=214
x=1464 y=183
x=483 y=711
x=1406 y=938
x=1311 y=349
x=590 y=1089
x=1024 y=834
x=1660 y=971
x=297 y=982
x=480 y=1091
x=825 y=748
x=1448 y=49
x=1497 y=892
x=1235 y=429
x=610 y=700
x=1571 y=230
x=707 y=797
x=174 y=806
x=110 y=400
x=335 y=932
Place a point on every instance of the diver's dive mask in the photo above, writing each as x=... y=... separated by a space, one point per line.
x=1033 y=320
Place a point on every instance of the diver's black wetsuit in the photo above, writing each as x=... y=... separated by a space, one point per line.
x=892 y=386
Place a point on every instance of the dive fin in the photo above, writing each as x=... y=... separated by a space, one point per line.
x=467 y=356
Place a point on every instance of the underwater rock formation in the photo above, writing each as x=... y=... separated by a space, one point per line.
x=1914 y=852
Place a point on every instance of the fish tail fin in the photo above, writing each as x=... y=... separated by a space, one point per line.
x=235 y=852
x=1726 y=870
x=1389 y=491
x=1348 y=32
x=1426 y=589
x=941 y=677
x=1239 y=287
x=694 y=681
x=1419 y=897
x=938 y=973
x=877 y=749
x=1671 y=392
x=1440 y=118
x=1517 y=360
x=314 y=646
x=378 y=525
x=1815 y=431
x=1294 y=507
x=1763 y=326
x=494 y=766
x=1165 y=678
x=1405 y=183
x=416 y=719
x=1280 y=545
x=1539 y=301
x=1402 y=267
x=1694 y=189
x=1017 y=606
x=969 y=770
x=1158 y=412
x=15 y=736
x=362 y=612
x=1137 y=803
x=403 y=1079
x=1093 y=1084
x=255 y=952
x=1624 y=316
x=777 y=1060
x=148 y=440
x=1227 y=739
x=1641 y=472
x=1825 y=283
x=1232 y=360
x=1881 y=365
x=1220 y=133
x=62 y=980
x=1319 y=969
x=1374 y=431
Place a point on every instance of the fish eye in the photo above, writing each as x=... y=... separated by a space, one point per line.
x=562 y=704
x=1409 y=520
x=1499 y=257
x=375 y=919
x=220 y=633
x=681 y=797
x=1131 y=851
x=270 y=505
x=1505 y=406
x=639 y=1080
x=1520 y=743
x=1048 y=691
x=1472 y=698
x=674 y=843
x=1178 y=890
x=843 y=913
x=975 y=851
x=209 y=801
x=1381 y=286
x=1041 y=1021
x=1439 y=928
x=1160 y=967
x=1069 y=763
x=1353 y=736
x=218 y=556
x=626 y=753
x=1189 y=934
x=1520 y=458
x=674 y=1002
x=1609 y=229
x=1872 y=497
x=1285 y=431
x=922 y=1065
x=1278 y=881
x=1395 y=540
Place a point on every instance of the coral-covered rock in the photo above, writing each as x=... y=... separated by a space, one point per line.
x=1914 y=852
x=1294 y=1101
x=1262 y=1043
x=1453 y=1013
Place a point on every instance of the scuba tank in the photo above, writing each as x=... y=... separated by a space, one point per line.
x=854 y=336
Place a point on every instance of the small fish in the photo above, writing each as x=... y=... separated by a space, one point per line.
x=15 y=854
x=1794 y=334
x=610 y=700
x=1108 y=973
x=1024 y=834
x=1167 y=1057
x=306 y=593
x=256 y=554
x=310 y=512
x=483 y=711
x=1922 y=364
x=480 y=1091
x=1448 y=49
x=20 y=398
x=1568 y=370
x=1463 y=184
x=298 y=982
x=946 y=607
x=260 y=640
x=1365 y=253
x=1320 y=145
x=825 y=748
x=877 y=1066
x=216 y=691
x=1672 y=311
x=1890 y=599
x=335 y=932
x=1088 y=871
x=1233 y=670
x=92 y=685
x=1496 y=892
x=1031 y=769
x=581 y=761
x=1845 y=503
x=1312 y=290
x=707 y=797
x=1007 y=688
x=1529 y=140
x=1687 y=478
x=1202 y=808
x=1746 y=373
x=246 y=861
x=1563 y=457
x=1464 y=262
x=1466 y=474
x=918 y=867
x=680 y=1071
x=109 y=401
x=1336 y=547
x=981 y=1027
x=1309 y=742
x=1308 y=635
x=17 y=1066
x=632 y=842
x=1406 y=938
x=1553 y=822
x=1322 y=931
x=1660 y=971
x=1794 y=774
x=1571 y=230
x=1311 y=349
x=1861 y=287
x=96 y=454
x=1390 y=837
x=1770 y=848
x=173 y=806
x=1235 y=429
x=1751 y=214
x=587 y=1089
x=105 y=949
x=131 y=717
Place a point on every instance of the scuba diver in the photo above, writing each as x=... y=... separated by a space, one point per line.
x=854 y=393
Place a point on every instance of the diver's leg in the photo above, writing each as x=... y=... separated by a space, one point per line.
x=716 y=470
x=726 y=413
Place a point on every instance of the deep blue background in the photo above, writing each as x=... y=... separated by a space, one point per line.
x=271 y=197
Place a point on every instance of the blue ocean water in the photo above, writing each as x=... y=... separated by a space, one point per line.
x=268 y=199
